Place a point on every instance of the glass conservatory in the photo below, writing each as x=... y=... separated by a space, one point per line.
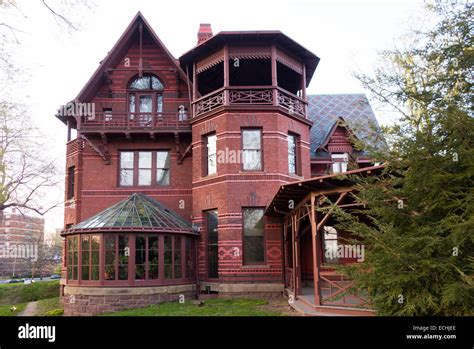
x=136 y=242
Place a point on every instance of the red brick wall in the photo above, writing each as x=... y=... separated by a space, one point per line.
x=232 y=189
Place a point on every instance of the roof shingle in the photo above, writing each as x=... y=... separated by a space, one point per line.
x=324 y=111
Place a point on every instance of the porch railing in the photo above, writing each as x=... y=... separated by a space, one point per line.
x=337 y=289
x=250 y=95
x=134 y=121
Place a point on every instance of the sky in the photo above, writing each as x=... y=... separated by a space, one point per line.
x=346 y=35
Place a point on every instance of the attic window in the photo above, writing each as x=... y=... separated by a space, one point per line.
x=146 y=82
x=339 y=162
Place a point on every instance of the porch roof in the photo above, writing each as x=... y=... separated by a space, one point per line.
x=297 y=191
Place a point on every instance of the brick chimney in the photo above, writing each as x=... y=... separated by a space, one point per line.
x=204 y=33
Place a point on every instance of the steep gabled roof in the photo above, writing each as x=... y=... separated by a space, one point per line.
x=353 y=109
x=115 y=55
x=138 y=212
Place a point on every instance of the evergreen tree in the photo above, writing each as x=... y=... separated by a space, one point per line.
x=420 y=229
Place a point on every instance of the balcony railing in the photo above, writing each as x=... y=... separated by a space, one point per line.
x=135 y=121
x=254 y=96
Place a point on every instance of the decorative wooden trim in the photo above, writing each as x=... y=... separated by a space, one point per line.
x=249 y=52
x=210 y=61
x=289 y=61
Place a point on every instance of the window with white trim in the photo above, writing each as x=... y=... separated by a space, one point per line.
x=339 y=162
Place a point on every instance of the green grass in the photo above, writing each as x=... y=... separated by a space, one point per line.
x=5 y=309
x=20 y=293
x=211 y=307
x=50 y=307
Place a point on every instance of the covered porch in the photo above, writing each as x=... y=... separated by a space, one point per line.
x=313 y=246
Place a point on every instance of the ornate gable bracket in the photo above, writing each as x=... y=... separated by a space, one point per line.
x=188 y=151
x=102 y=150
x=181 y=155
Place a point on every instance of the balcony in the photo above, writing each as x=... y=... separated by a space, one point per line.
x=135 y=122
x=262 y=96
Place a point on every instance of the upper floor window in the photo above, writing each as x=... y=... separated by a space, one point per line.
x=292 y=154
x=145 y=97
x=211 y=154
x=339 y=162
x=252 y=149
x=146 y=82
x=144 y=168
x=70 y=182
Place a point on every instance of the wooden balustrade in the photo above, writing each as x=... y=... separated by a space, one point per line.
x=249 y=95
x=135 y=121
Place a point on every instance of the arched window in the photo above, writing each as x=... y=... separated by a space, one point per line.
x=145 y=98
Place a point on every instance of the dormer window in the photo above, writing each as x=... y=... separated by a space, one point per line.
x=339 y=162
x=145 y=98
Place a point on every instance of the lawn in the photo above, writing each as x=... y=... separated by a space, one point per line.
x=50 y=307
x=5 y=309
x=46 y=292
x=21 y=293
x=211 y=307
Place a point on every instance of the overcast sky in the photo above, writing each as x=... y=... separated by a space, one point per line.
x=346 y=35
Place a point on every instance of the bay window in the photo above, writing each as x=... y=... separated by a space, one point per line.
x=156 y=259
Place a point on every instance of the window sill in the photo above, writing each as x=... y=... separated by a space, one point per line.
x=253 y=172
x=209 y=176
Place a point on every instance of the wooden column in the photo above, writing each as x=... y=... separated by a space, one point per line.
x=303 y=82
x=68 y=130
x=285 y=257
x=314 y=224
x=303 y=87
x=195 y=88
x=274 y=75
x=293 y=247
x=226 y=75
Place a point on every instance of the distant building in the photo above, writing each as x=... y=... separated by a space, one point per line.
x=20 y=237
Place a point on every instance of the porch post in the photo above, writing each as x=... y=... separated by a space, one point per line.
x=195 y=88
x=314 y=223
x=285 y=257
x=68 y=130
x=293 y=246
x=274 y=75
x=226 y=75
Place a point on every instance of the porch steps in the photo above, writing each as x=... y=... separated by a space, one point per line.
x=303 y=309
x=302 y=306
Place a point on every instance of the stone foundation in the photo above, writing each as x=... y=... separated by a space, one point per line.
x=244 y=290
x=89 y=301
